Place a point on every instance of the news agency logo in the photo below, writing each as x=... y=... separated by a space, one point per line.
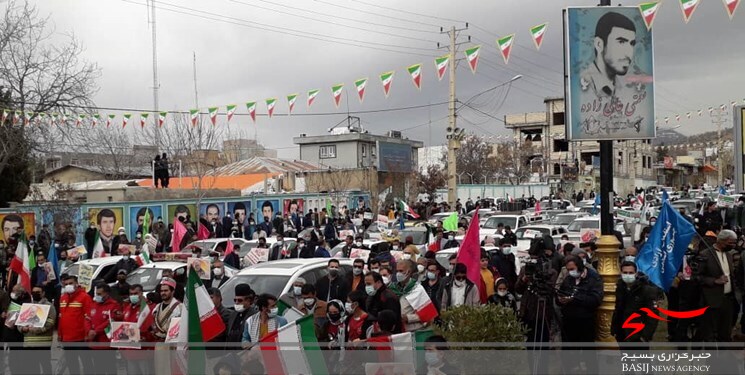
x=638 y=326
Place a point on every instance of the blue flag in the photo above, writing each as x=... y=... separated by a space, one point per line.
x=722 y=190
x=596 y=204
x=662 y=254
x=54 y=260
x=665 y=197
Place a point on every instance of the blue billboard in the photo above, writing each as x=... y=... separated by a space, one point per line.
x=394 y=157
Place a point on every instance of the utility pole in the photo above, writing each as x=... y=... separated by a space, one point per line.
x=156 y=85
x=606 y=178
x=719 y=117
x=454 y=134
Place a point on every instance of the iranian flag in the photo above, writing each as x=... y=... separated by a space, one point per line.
x=251 y=106
x=403 y=346
x=144 y=257
x=288 y=312
x=53 y=117
x=731 y=6
x=688 y=7
x=416 y=75
x=162 y=119
x=64 y=119
x=312 y=96
x=420 y=301
x=231 y=111
x=27 y=118
x=98 y=249
x=505 y=46
x=688 y=114
x=213 y=114
x=538 y=31
x=337 y=90
x=41 y=118
x=291 y=101
x=145 y=318
x=270 y=103
x=293 y=357
x=386 y=79
x=4 y=116
x=360 y=84
x=109 y=120
x=700 y=113
x=16 y=117
x=194 y=114
x=95 y=119
x=472 y=55
x=649 y=11
x=23 y=262
x=405 y=208
x=143 y=119
x=441 y=63
x=81 y=118
x=179 y=231
x=125 y=119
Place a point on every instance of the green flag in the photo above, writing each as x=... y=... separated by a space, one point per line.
x=450 y=223
x=146 y=223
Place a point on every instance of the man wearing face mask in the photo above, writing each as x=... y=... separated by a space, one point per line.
x=579 y=297
x=634 y=292
x=244 y=308
x=217 y=275
x=226 y=315
x=434 y=355
x=459 y=290
x=138 y=242
x=333 y=286
x=294 y=297
x=74 y=312
x=380 y=298
x=432 y=283
x=406 y=288
x=356 y=277
x=348 y=246
x=410 y=250
x=715 y=273
x=264 y=322
x=310 y=304
x=11 y=334
x=136 y=309
x=105 y=310
x=451 y=242
x=40 y=339
x=120 y=289
x=387 y=274
x=504 y=262
x=128 y=264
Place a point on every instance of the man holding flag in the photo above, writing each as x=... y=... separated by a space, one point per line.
x=138 y=310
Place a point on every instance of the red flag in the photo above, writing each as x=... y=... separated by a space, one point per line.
x=179 y=231
x=537 y=207
x=202 y=232
x=229 y=248
x=470 y=255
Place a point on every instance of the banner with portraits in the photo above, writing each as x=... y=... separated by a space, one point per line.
x=610 y=74
x=181 y=210
x=137 y=217
x=240 y=211
x=13 y=222
x=107 y=220
x=266 y=208
x=212 y=211
x=293 y=206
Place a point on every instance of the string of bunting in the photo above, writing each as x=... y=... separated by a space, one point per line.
x=504 y=44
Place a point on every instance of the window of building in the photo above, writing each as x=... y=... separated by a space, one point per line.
x=364 y=150
x=558 y=118
x=327 y=152
x=74 y=162
x=373 y=151
x=561 y=145
x=52 y=164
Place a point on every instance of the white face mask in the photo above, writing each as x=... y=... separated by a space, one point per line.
x=297 y=290
x=406 y=256
x=506 y=251
x=309 y=302
x=13 y=295
x=420 y=268
x=349 y=308
x=629 y=258
x=502 y=293
x=395 y=247
x=574 y=273
x=451 y=237
x=628 y=279
x=358 y=243
x=217 y=271
x=386 y=280
x=239 y=307
x=69 y=289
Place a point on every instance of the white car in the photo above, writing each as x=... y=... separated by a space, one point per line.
x=575 y=229
x=101 y=267
x=276 y=277
x=214 y=245
x=149 y=275
x=558 y=204
x=443 y=256
x=527 y=233
x=371 y=244
x=563 y=220
x=251 y=244
x=513 y=221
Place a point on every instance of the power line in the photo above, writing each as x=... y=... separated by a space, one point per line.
x=377 y=14
x=407 y=12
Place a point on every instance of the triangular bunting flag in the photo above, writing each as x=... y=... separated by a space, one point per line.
x=688 y=7
x=194 y=116
x=251 y=106
x=649 y=11
x=162 y=119
x=416 y=75
x=688 y=114
x=441 y=63
x=538 y=32
x=677 y=118
x=143 y=119
x=505 y=46
x=700 y=112
x=16 y=117
x=312 y=96
x=4 y=117
x=337 y=90
x=94 y=119
x=125 y=119
x=55 y=118
x=731 y=6
x=41 y=117
x=80 y=119
x=27 y=118
x=361 y=84
x=472 y=55
x=213 y=114
x=64 y=119
x=109 y=120
x=386 y=79
x=291 y=102
x=231 y=111
x=270 y=103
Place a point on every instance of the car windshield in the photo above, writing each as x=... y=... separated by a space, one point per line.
x=494 y=221
x=530 y=233
x=272 y=284
x=246 y=247
x=578 y=225
x=443 y=259
x=147 y=277
x=419 y=236
x=73 y=270
x=563 y=219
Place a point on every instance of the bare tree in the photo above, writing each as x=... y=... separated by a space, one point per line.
x=431 y=179
x=513 y=161
x=474 y=159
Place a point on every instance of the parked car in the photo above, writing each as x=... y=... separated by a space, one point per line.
x=250 y=244
x=491 y=224
x=214 y=245
x=276 y=277
x=149 y=275
x=563 y=220
x=527 y=233
x=101 y=267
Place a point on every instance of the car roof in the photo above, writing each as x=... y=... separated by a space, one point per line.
x=539 y=226
x=215 y=240
x=164 y=265
x=101 y=261
x=287 y=267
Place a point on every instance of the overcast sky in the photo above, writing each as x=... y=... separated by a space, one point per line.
x=698 y=64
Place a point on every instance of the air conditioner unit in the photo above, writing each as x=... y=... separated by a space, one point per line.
x=394 y=134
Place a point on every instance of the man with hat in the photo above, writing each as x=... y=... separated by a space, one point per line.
x=120 y=289
x=244 y=307
x=167 y=309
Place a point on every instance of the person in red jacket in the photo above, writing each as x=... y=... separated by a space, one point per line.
x=74 y=314
x=137 y=309
x=105 y=310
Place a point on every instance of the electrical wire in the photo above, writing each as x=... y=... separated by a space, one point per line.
x=377 y=14
x=407 y=12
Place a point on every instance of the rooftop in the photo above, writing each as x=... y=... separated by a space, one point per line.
x=264 y=165
x=352 y=137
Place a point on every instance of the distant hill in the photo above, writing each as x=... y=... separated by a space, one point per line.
x=672 y=137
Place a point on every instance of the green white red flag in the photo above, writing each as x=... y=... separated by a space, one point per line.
x=27 y=118
x=649 y=12
x=54 y=118
x=64 y=119
x=731 y=7
x=441 y=63
x=125 y=119
x=98 y=250
x=360 y=84
x=337 y=91
x=408 y=210
x=16 y=117
x=94 y=120
x=162 y=119
x=21 y=263
x=386 y=79
x=472 y=55
x=688 y=7
x=416 y=75
x=537 y=32
x=505 y=46
x=251 y=106
x=293 y=357
x=291 y=102
x=143 y=119
x=231 y=111
x=81 y=118
x=4 y=117
x=312 y=96
x=213 y=114
x=270 y=103
x=194 y=114
x=109 y=119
